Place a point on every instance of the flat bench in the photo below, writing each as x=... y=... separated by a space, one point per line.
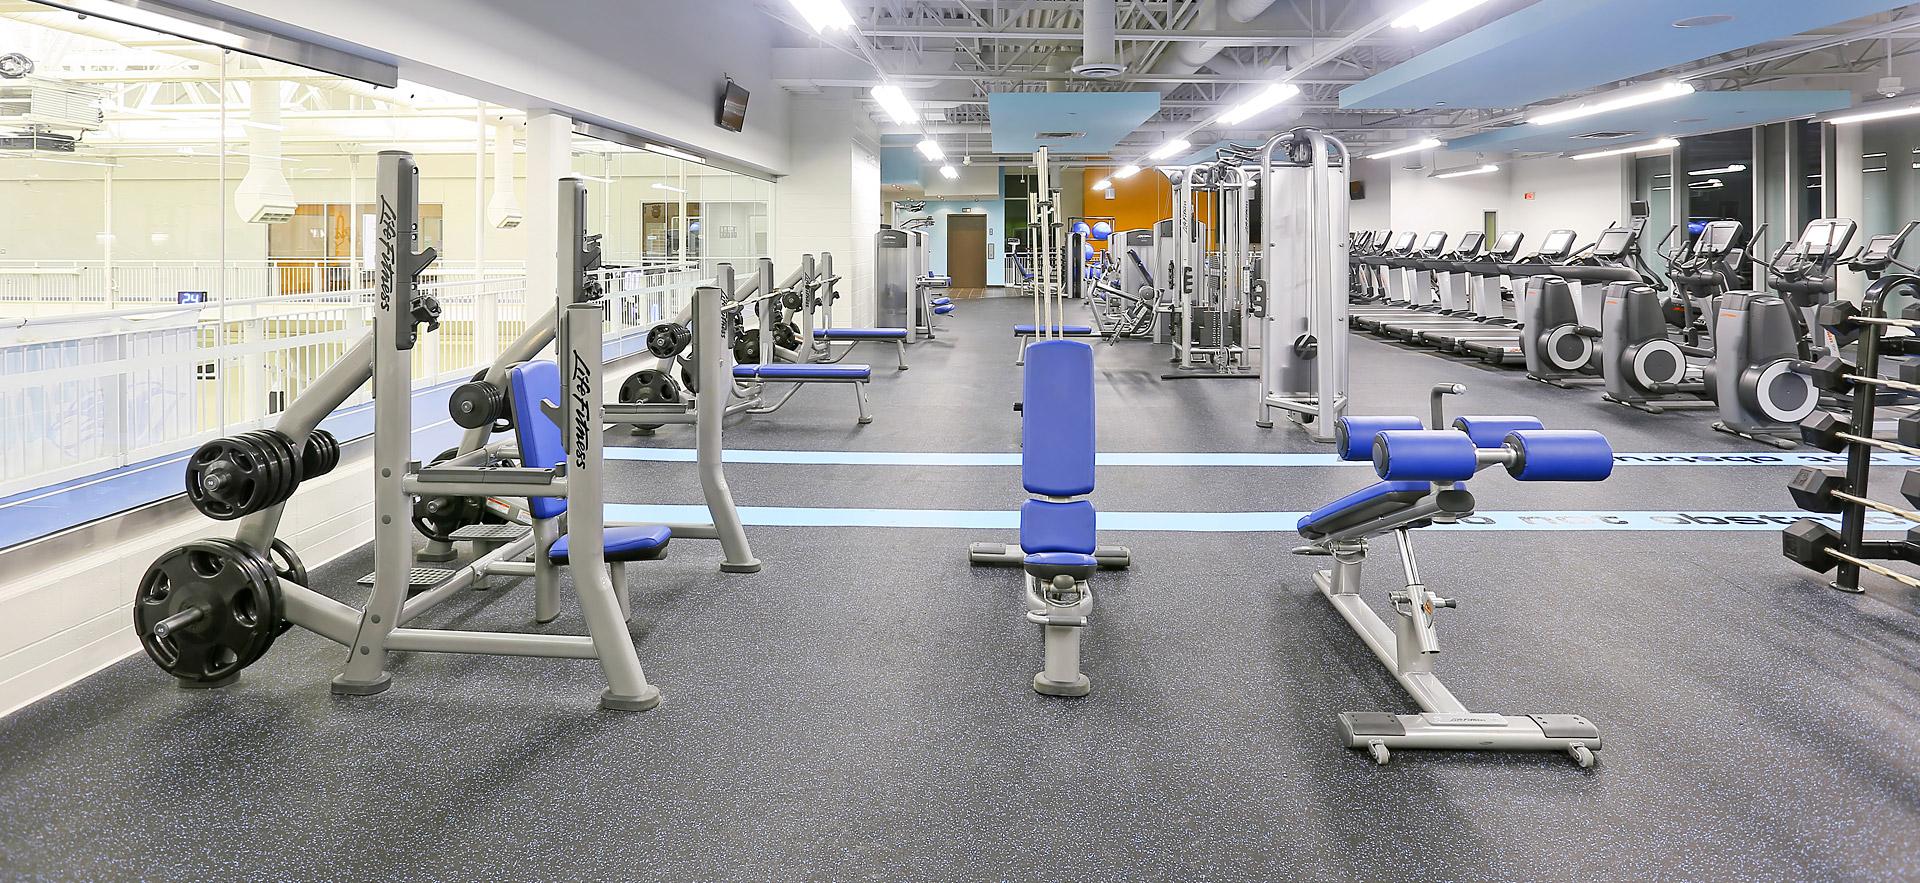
x=851 y=336
x=802 y=374
x=1026 y=333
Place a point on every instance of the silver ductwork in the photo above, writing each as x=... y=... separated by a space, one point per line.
x=264 y=196
x=1100 y=57
x=1186 y=58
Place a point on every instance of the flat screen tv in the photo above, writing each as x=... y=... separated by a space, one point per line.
x=733 y=108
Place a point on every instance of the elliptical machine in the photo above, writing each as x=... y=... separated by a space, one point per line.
x=1561 y=327
x=1761 y=342
x=1645 y=367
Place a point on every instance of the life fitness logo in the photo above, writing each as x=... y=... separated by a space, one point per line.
x=389 y=251
x=582 y=388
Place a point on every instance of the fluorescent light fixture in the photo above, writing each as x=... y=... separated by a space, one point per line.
x=949 y=172
x=144 y=17
x=930 y=149
x=1625 y=98
x=1170 y=148
x=823 y=15
x=1709 y=183
x=1658 y=177
x=1489 y=167
x=1872 y=155
x=1422 y=144
x=1261 y=101
x=1103 y=184
x=658 y=186
x=895 y=103
x=676 y=153
x=1871 y=171
x=1662 y=144
x=1433 y=12
x=1723 y=170
x=1867 y=116
x=1126 y=171
x=158 y=238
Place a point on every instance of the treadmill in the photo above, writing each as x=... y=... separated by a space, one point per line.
x=1454 y=282
x=1501 y=346
x=1375 y=266
x=1486 y=297
x=1415 y=284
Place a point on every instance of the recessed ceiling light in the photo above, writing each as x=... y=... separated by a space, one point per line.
x=1685 y=120
x=1703 y=21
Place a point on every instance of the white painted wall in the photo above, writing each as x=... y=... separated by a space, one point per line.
x=830 y=200
x=1376 y=211
x=655 y=66
x=1584 y=196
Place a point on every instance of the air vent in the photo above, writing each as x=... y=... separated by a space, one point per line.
x=1605 y=136
x=46 y=141
x=1058 y=136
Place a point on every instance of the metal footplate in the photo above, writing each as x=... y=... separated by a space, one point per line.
x=491 y=533
x=1379 y=732
x=1003 y=555
x=417 y=578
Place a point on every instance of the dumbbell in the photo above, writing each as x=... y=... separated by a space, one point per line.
x=1843 y=319
x=1816 y=547
x=1828 y=432
x=1824 y=490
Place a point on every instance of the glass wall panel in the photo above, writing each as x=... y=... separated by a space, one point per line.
x=1717 y=172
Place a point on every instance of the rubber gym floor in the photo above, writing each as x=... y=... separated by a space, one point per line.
x=861 y=709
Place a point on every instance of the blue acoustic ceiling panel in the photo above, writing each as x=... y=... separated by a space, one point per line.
x=1693 y=114
x=1069 y=122
x=1556 y=47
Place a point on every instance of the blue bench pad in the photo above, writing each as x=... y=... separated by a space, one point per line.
x=1024 y=330
x=1364 y=504
x=1047 y=526
x=861 y=333
x=1056 y=416
x=943 y=309
x=639 y=542
x=803 y=372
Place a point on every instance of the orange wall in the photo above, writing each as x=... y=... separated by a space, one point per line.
x=1138 y=202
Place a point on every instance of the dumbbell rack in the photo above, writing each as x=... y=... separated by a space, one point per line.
x=1811 y=543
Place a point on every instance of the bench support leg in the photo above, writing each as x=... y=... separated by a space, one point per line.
x=901 y=345
x=546 y=574
x=860 y=394
x=1062 y=615
x=617 y=572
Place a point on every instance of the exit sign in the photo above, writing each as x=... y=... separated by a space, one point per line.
x=1527 y=195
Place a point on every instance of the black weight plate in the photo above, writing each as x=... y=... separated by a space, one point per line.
x=265 y=569
x=241 y=609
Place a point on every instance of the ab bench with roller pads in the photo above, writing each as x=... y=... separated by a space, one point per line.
x=1424 y=473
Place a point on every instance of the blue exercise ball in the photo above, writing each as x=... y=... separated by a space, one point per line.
x=1102 y=231
x=1081 y=228
x=1086 y=252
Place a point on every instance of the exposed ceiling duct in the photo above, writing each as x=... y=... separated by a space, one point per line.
x=503 y=210
x=1186 y=58
x=1100 y=58
x=264 y=196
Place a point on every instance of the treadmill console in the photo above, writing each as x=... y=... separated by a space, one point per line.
x=1613 y=244
x=1470 y=243
x=1404 y=243
x=1557 y=245
x=1506 y=246
x=1435 y=243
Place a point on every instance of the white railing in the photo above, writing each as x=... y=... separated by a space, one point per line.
x=85 y=393
x=43 y=288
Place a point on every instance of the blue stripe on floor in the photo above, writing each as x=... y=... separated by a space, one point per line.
x=1237 y=522
x=1012 y=458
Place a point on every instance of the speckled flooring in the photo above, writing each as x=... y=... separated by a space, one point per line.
x=861 y=709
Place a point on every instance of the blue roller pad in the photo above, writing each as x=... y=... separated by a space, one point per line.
x=1057 y=419
x=1424 y=455
x=638 y=542
x=943 y=309
x=861 y=333
x=1491 y=432
x=942 y=301
x=536 y=434
x=803 y=372
x=1353 y=436
x=1560 y=455
x=1046 y=526
x=1026 y=330
x=1359 y=498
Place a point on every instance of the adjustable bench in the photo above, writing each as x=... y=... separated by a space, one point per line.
x=801 y=374
x=1026 y=333
x=1423 y=474
x=849 y=337
x=1057 y=549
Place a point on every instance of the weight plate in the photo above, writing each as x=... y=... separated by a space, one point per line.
x=263 y=567
x=234 y=605
x=233 y=476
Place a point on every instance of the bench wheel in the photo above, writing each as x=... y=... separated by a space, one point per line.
x=1379 y=751
x=1581 y=755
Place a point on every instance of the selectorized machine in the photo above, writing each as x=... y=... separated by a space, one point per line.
x=1302 y=314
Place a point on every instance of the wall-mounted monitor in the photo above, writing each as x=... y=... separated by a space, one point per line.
x=733 y=108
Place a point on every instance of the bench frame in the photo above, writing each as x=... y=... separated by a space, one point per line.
x=822 y=351
x=753 y=400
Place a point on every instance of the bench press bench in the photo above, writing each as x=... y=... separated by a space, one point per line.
x=1027 y=332
x=1423 y=474
x=801 y=374
x=849 y=337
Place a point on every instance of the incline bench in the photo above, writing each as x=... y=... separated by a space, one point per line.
x=1423 y=473
x=801 y=374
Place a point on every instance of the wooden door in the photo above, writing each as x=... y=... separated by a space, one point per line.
x=967 y=250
